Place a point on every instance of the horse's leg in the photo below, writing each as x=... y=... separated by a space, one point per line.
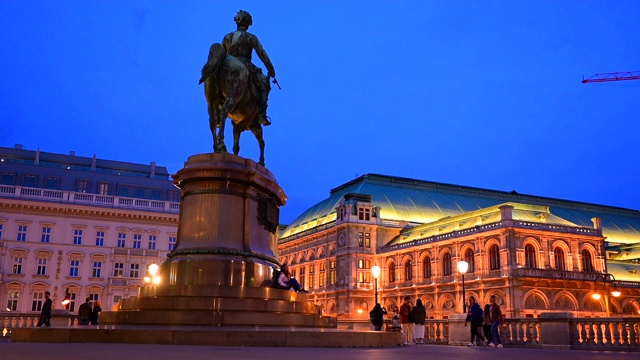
x=229 y=103
x=213 y=117
x=257 y=131
x=236 y=138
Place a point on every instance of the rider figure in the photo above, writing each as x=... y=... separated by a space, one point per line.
x=241 y=44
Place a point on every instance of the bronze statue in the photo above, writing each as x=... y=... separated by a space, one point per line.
x=234 y=87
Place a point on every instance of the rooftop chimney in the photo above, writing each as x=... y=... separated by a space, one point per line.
x=18 y=146
x=72 y=153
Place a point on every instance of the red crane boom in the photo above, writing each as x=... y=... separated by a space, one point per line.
x=616 y=76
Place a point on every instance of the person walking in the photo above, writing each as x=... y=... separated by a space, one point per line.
x=496 y=319
x=486 y=324
x=475 y=317
x=45 y=314
x=406 y=320
x=84 y=312
x=377 y=316
x=419 y=319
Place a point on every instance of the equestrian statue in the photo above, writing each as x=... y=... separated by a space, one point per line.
x=235 y=88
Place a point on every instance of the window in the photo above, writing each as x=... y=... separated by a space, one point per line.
x=470 y=259
x=174 y=196
x=323 y=275
x=364 y=275
x=587 y=262
x=17 y=265
x=312 y=276
x=22 y=233
x=71 y=306
x=172 y=242
x=52 y=183
x=302 y=276
x=122 y=240
x=42 y=266
x=123 y=190
x=74 y=266
x=1 y=225
x=364 y=214
x=361 y=239
x=140 y=193
x=558 y=256
x=156 y=194
x=367 y=240
x=99 y=238
x=83 y=186
x=104 y=188
x=118 y=269
x=426 y=268
x=7 y=178
x=46 y=234
x=38 y=299
x=12 y=302
x=494 y=257
x=332 y=272
x=408 y=270
x=137 y=240
x=392 y=272
x=29 y=181
x=530 y=258
x=134 y=270
x=93 y=297
x=446 y=264
x=152 y=242
x=77 y=237
x=97 y=269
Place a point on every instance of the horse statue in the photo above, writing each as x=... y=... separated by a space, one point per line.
x=230 y=93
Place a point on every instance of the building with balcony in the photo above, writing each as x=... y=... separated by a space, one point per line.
x=534 y=254
x=85 y=227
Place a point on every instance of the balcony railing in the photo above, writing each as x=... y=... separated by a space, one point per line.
x=19 y=192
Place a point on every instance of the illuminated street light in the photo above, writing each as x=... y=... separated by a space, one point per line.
x=606 y=278
x=154 y=278
x=375 y=271
x=463 y=266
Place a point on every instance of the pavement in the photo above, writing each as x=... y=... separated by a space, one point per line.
x=92 y=351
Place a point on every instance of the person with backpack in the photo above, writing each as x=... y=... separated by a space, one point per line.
x=377 y=316
x=406 y=320
x=475 y=317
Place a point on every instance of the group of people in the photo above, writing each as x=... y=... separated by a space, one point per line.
x=87 y=315
x=408 y=319
x=489 y=320
x=411 y=320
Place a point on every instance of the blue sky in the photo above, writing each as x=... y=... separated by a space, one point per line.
x=477 y=93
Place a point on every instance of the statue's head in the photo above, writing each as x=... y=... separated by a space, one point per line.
x=243 y=18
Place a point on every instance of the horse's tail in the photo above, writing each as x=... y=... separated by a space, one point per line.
x=217 y=54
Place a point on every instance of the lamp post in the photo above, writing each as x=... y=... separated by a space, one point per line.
x=463 y=266
x=606 y=278
x=375 y=271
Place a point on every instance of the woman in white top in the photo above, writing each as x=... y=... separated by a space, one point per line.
x=287 y=282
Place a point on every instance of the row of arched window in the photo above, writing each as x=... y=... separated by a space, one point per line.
x=531 y=261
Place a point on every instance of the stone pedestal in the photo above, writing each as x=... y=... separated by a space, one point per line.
x=458 y=333
x=555 y=332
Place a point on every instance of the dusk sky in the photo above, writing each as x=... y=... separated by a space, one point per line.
x=477 y=93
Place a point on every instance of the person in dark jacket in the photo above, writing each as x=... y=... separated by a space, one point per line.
x=475 y=317
x=377 y=316
x=419 y=319
x=45 y=315
x=84 y=313
x=97 y=308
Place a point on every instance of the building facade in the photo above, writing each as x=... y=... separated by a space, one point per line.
x=534 y=254
x=82 y=227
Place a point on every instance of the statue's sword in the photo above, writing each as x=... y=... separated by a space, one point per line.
x=276 y=82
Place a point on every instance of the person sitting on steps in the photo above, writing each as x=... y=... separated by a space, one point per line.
x=286 y=282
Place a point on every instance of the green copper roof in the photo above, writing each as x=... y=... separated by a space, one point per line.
x=424 y=202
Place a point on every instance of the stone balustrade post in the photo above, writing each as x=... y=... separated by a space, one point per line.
x=555 y=330
x=458 y=333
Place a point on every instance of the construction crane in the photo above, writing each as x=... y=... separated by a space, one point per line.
x=616 y=76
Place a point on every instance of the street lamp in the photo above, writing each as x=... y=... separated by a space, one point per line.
x=606 y=278
x=463 y=266
x=375 y=271
x=154 y=278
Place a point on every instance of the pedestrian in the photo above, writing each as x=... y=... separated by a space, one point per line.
x=377 y=316
x=45 y=314
x=475 y=318
x=395 y=320
x=419 y=319
x=496 y=319
x=84 y=312
x=406 y=320
x=486 y=324
x=97 y=308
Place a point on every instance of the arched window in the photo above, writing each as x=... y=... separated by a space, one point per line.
x=408 y=270
x=587 y=262
x=392 y=272
x=558 y=255
x=426 y=268
x=530 y=257
x=446 y=264
x=494 y=257
x=469 y=258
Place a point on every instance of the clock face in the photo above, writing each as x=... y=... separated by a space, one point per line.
x=342 y=240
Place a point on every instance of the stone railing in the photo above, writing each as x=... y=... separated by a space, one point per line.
x=10 y=321
x=605 y=333
x=19 y=192
x=436 y=331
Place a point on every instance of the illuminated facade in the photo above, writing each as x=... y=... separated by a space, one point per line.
x=535 y=254
x=81 y=226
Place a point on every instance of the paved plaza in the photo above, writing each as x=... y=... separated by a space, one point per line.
x=43 y=351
